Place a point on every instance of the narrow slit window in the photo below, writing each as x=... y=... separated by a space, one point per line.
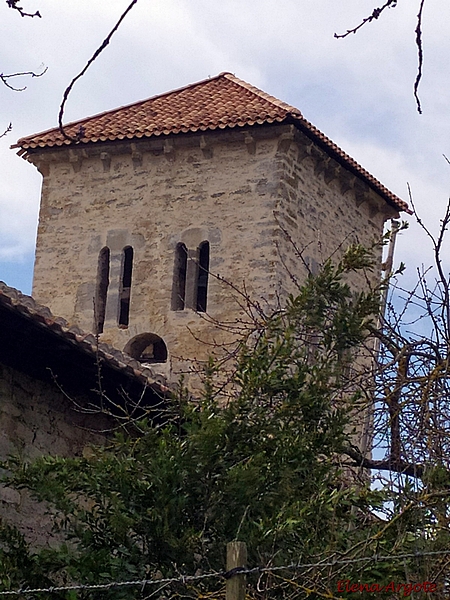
x=179 y=277
x=102 y=289
x=202 y=279
x=125 y=287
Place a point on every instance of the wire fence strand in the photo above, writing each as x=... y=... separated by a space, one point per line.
x=183 y=579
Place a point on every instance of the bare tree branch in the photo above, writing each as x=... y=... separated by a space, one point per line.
x=5 y=78
x=99 y=50
x=418 y=31
x=375 y=15
x=7 y=130
x=14 y=5
x=420 y=55
x=399 y=466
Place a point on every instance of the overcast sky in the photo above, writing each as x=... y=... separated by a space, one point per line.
x=358 y=91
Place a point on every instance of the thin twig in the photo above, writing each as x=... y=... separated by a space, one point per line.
x=419 y=55
x=7 y=130
x=14 y=5
x=418 y=31
x=375 y=15
x=105 y=43
x=4 y=78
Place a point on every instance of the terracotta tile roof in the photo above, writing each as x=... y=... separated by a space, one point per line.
x=220 y=102
x=42 y=342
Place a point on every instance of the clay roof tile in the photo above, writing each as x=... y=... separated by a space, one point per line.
x=86 y=342
x=215 y=103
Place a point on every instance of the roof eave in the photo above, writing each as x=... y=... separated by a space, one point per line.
x=349 y=163
x=27 y=147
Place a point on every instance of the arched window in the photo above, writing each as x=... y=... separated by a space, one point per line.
x=202 y=277
x=179 y=277
x=147 y=348
x=125 y=286
x=102 y=289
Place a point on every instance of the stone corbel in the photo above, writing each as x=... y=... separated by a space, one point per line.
x=285 y=140
x=321 y=164
x=136 y=156
x=43 y=166
x=332 y=171
x=169 y=149
x=206 y=149
x=105 y=157
x=389 y=212
x=250 y=143
x=317 y=154
x=304 y=151
x=375 y=206
x=374 y=209
x=75 y=160
x=320 y=159
x=347 y=181
x=361 y=192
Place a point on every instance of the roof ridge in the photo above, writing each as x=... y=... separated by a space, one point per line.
x=264 y=95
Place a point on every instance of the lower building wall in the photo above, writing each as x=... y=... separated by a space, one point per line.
x=37 y=419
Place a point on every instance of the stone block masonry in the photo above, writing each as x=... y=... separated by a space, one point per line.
x=38 y=419
x=252 y=194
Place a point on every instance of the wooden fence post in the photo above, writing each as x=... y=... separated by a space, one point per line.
x=236 y=557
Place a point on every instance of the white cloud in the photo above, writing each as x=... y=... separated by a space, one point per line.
x=357 y=90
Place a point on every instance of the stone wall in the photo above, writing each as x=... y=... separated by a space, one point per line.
x=37 y=419
x=321 y=210
x=239 y=190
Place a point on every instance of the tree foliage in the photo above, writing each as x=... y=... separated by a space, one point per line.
x=262 y=467
x=264 y=463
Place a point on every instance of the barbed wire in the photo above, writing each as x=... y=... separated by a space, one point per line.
x=183 y=579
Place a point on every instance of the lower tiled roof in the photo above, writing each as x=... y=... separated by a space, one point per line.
x=34 y=341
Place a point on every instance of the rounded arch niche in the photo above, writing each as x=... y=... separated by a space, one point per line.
x=147 y=348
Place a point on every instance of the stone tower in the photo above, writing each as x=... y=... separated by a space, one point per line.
x=154 y=215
